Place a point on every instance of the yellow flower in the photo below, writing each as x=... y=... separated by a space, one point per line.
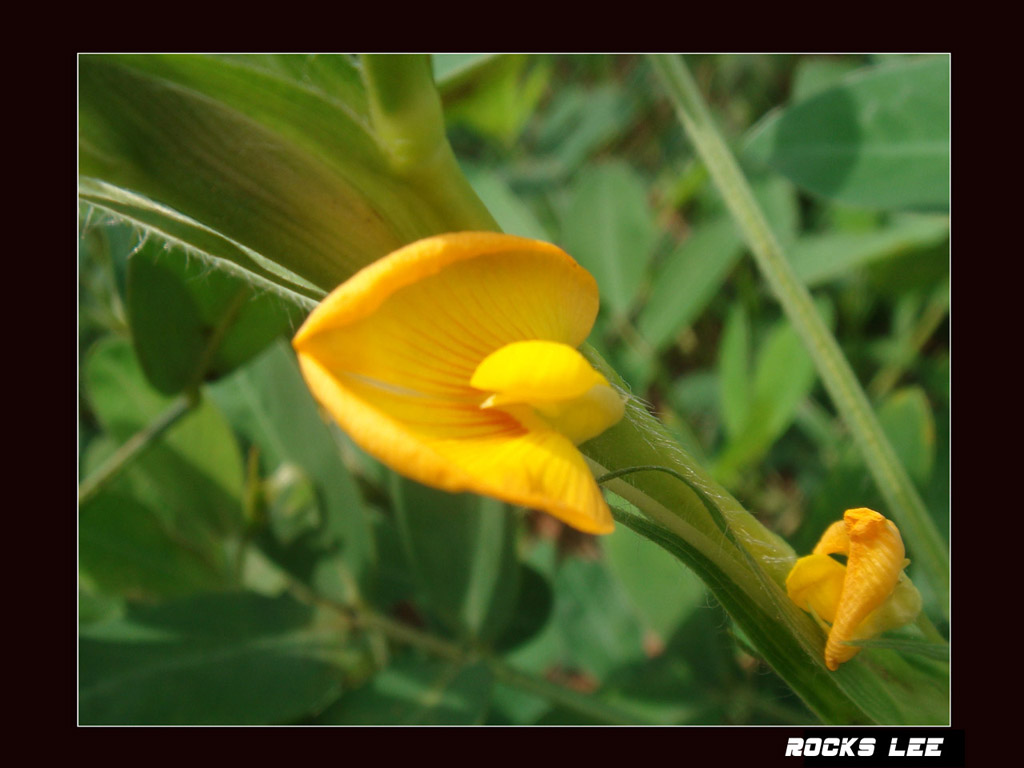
x=453 y=360
x=864 y=598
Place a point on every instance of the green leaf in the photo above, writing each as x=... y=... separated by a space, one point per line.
x=103 y=201
x=820 y=258
x=269 y=403
x=168 y=333
x=543 y=650
x=814 y=75
x=331 y=77
x=415 y=691
x=512 y=215
x=663 y=590
x=783 y=376
x=579 y=122
x=880 y=139
x=495 y=96
x=94 y=607
x=125 y=551
x=690 y=680
x=296 y=536
x=513 y=706
x=224 y=659
x=103 y=251
x=281 y=167
x=734 y=371
x=450 y=68
x=906 y=416
x=909 y=645
x=609 y=228
x=695 y=399
x=394 y=580
x=462 y=549
x=239 y=150
x=692 y=274
x=925 y=269
x=532 y=612
x=189 y=323
x=227 y=320
x=688 y=279
x=192 y=476
x=600 y=627
x=909 y=423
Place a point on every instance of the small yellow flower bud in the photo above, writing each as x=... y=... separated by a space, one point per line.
x=867 y=596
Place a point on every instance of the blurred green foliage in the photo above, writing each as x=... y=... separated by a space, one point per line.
x=253 y=566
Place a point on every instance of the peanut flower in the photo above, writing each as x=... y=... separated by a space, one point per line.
x=453 y=360
x=865 y=597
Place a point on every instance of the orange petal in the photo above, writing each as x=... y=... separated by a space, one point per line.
x=873 y=566
x=835 y=540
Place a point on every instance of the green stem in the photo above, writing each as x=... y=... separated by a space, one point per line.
x=905 y=504
x=733 y=524
x=365 y=618
x=408 y=122
x=134 y=447
x=362 y=617
x=727 y=559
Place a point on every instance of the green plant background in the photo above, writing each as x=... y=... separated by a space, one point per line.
x=251 y=565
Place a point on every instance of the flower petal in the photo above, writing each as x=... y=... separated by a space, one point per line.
x=534 y=372
x=547 y=384
x=901 y=607
x=867 y=596
x=835 y=540
x=539 y=469
x=873 y=566
x=390 y=354
x=815 y=584
x=472 y=291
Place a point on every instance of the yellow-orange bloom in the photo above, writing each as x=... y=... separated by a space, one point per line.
x=867 y=596
x=453 y=360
